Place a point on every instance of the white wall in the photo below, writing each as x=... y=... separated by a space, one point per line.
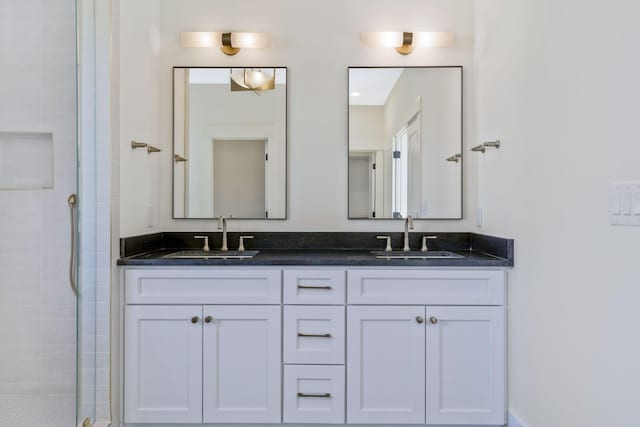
x=217 y=113
x=139 y=116
x=366 y=129
x=317 y=41
x=436 y=94
x=558 y=84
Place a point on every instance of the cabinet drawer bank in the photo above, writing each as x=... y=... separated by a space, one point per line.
x=317 y=345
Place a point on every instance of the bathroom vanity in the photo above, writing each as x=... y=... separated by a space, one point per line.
x=315 y=337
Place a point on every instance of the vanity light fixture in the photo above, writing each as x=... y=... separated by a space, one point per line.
x=405 y=42
x=252 y=79
x=229 y=43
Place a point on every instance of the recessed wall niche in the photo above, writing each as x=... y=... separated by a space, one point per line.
x=26 y=160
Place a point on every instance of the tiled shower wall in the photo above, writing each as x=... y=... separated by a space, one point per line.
x=37 y=307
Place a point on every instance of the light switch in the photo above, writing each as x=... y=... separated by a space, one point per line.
x=616 y=201
x=624 y=203
x=636 y=202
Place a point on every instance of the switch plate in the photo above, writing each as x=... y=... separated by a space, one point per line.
x=624 y=203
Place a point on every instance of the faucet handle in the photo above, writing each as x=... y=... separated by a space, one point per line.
x=424 y=242
x=241 y=246
x=388 y=248
x=206 y=242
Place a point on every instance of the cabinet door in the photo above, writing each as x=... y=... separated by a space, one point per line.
x=163 y=364
x=385 y=365
x=242 y=364
x=466 y=365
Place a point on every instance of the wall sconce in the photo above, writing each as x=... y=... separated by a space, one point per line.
x=229 y=43
x=404 y=42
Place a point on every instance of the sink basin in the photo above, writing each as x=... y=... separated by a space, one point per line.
x=416 y=255
x=213 y=254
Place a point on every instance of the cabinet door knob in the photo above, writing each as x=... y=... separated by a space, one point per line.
x=195 y=319
x=433 y=320
x=419 y=319
x=208 y=319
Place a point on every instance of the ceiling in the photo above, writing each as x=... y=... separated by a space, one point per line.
x=372 y=84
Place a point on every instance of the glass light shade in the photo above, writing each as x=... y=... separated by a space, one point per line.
x=396 y=38
x=433 y=39
x=200 y=39
x=382 y=38
x=250 y=40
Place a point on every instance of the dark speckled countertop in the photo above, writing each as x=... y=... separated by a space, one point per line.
x=318 y=249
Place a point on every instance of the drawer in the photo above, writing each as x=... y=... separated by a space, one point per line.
x=203 y=286
x=314 y=287
x=314 y=394
x=314 y=334
x=431 y=287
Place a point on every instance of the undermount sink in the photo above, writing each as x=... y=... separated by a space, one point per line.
x=212 y=254
x=416 y=255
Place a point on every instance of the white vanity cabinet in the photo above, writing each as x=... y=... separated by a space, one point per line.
x=202 y=363
x=314 y=345
x=441 y=362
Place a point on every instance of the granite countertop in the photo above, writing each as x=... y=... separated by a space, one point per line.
x=314 y=249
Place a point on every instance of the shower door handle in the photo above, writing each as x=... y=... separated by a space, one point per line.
x=72 y=200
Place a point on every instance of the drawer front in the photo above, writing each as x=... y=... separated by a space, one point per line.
x=314 y=287
x=206 y=286
x=433 y=287
x=314 y=334
x=314 y=394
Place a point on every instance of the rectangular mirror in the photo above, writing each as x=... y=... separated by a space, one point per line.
x=405 y=142
x=230 y=142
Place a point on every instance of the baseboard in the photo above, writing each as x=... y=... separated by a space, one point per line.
x=515 y=420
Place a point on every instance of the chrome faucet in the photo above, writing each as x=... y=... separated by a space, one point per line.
x=408 y=225
x=222 y=225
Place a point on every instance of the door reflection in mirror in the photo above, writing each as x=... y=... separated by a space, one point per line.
x=408 y=122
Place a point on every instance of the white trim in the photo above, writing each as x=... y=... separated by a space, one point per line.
x=515 y=420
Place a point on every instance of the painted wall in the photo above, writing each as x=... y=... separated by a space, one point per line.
x=37 y=306
x=558 y=83
x=217 y=113
x=317 y=45
x=436 y=94
x=139 y=117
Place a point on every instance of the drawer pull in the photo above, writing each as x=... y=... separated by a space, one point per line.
x=323 y=395
x=327 y=288
x=314 y=335
x=195 y=319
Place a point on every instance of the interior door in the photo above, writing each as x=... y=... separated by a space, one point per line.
x=163 y=364
x=385 y=365
x=465 y=365
x=360 y=187
x=239 y=178
x=414 y=167
x=242 y=364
